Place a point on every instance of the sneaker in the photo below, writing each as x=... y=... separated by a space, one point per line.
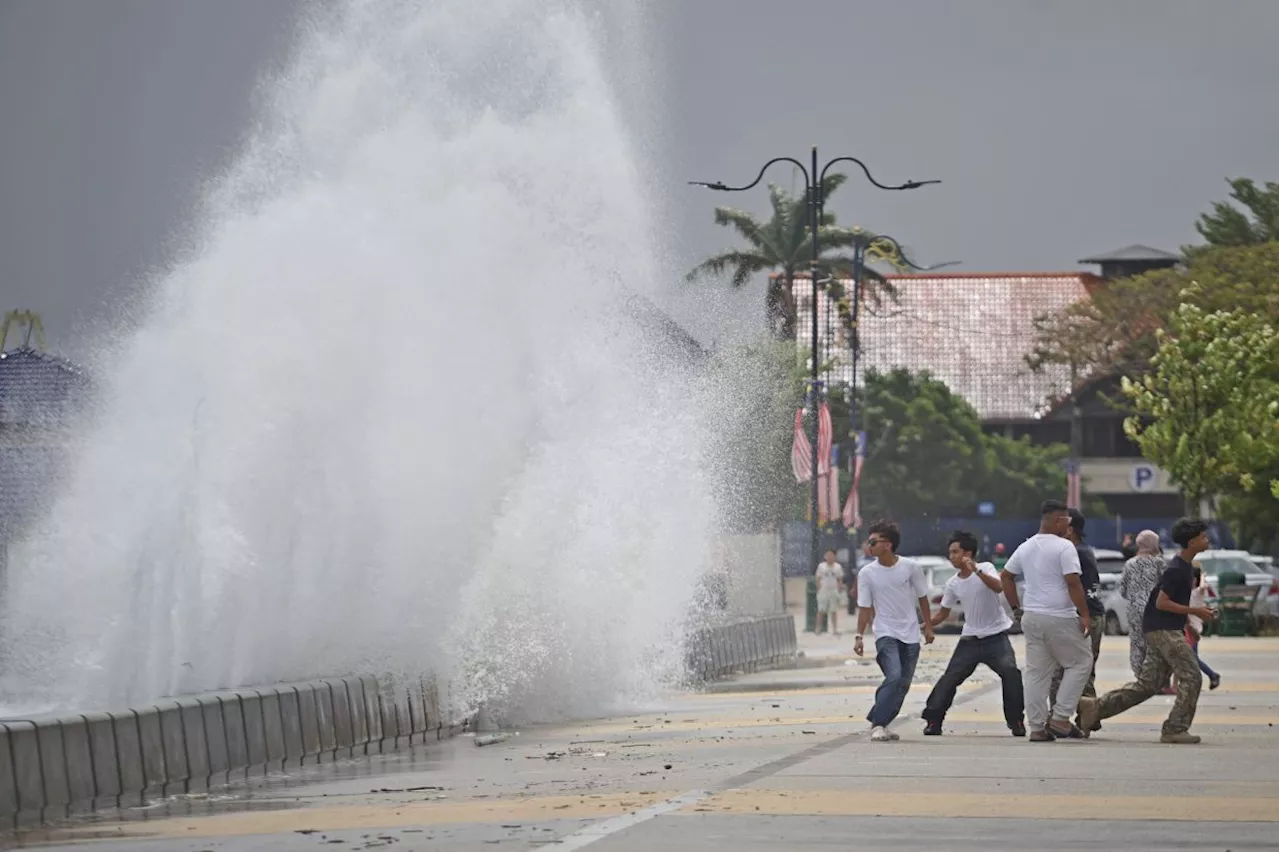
x=933 y=729
x=1088 y=714
x=1017 y=729
x=1041 y=736
x=880 y=734
x=892 y=735
x=1179 y=739
x=1215 y=681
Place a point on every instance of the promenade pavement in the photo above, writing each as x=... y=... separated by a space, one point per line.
x=776 y=760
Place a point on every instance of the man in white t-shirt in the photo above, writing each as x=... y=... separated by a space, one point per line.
x=984 y=639
x=830 y=577
x=1055 y=623
x=896 y=590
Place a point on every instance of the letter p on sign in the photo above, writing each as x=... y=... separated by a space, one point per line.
x=1142 y=477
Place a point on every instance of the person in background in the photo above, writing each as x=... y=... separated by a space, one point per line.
x=999 y=557
x=1195 y=624
x=984 y=639
x=1097 y=609
x=830 y=577
x=852 y=566
x=1168 y=653
x=1127 y=547
x=1055 y=624
x=896 y=590
x=1141 y=574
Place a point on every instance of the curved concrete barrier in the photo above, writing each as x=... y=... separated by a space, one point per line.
x=741 y=645
x=55 y=766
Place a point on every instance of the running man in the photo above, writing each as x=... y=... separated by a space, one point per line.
x=1168 y=652
x=984 y=639
x=895 y=588
x=1055 y=623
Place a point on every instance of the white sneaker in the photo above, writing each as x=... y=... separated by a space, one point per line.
x=880 y=734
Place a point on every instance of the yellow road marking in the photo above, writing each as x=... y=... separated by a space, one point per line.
x=524 y=809
x=867 y=802
x=1131 y=718
x=862 y=689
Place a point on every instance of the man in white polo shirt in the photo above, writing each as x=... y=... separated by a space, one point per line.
x=895 y=589
x=1055 y=623
x=985 y=638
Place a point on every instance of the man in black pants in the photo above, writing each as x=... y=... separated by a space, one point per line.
x=985 y=638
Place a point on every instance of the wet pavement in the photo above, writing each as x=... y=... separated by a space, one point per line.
x=774 y=760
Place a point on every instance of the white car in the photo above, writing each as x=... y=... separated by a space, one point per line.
x=1214 y=562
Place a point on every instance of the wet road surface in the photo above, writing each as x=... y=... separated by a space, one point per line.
x=780 y=761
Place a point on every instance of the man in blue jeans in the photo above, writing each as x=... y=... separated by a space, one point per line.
x=896 y=590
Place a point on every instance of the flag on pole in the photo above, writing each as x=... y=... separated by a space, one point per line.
x=801 y=464
x=824 y=439
x=1073 y=484
x=850 y=516
x=833 y=480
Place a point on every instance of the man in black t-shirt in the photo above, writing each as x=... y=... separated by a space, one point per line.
x=1090 y=579
x=1163 y=623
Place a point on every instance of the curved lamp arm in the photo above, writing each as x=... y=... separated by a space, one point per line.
x=911 y=184
x=720 y=187
x=898 y=257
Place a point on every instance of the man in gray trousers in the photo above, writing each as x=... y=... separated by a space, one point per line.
x=1055 y=623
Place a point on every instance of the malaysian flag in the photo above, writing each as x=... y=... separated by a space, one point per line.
x=850 y=516
x=801 y=450
x=824 y=439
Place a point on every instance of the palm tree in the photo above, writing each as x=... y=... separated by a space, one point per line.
x=783 y=245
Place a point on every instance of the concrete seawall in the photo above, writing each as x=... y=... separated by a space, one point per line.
x=52 y=767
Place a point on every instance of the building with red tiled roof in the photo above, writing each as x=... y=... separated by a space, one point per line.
x=972 y=331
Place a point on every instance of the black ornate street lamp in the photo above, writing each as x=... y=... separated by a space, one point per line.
x=813 y=178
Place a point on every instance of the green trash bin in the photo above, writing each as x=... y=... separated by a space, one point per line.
x=1235 y=604
x=811 y=605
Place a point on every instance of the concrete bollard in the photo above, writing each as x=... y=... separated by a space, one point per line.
x=237 y=735
x=196 y=744
x=373 y=713
x=8 y=784
x=290 y=724
x=128 y=740
x=359 y=715
x=217 y=762
x=344 y=732
x=325 y=722
x=77 y=759
x=28 y=778
x=273 y=728
x=174 y=748
x=308 y=721
x=255 y=732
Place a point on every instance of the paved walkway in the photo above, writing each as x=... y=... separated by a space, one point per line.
x=779 y=761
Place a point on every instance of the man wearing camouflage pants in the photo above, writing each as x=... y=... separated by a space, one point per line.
x=1163 y=623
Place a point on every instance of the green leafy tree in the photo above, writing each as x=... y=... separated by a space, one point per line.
x=1206 y=410
x=1227 y=225
x=927 y=454
x=783 y=244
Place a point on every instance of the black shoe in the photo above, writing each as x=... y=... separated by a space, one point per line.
x=1215 y=681
x=933 y=729
x=1018 y=729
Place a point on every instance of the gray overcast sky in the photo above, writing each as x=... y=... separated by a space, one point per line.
x=1060 y=129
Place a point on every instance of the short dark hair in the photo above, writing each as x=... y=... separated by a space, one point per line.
x=1049 y=507
x=887 y=530
x=830 y=550
x=1185 y=529
x=968 y=541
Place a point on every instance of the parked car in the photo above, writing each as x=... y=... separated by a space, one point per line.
x=1214 y=562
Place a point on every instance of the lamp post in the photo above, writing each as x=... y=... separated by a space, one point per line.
x=813 y=178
